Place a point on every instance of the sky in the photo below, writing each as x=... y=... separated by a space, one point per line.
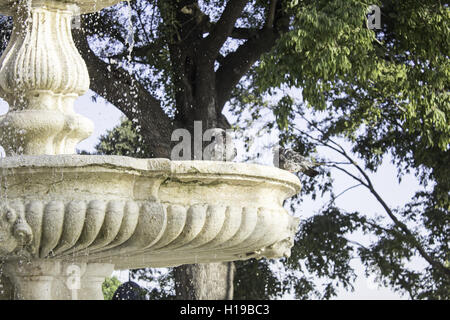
x=105 y=116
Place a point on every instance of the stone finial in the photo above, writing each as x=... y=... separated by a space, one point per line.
x=41 y=75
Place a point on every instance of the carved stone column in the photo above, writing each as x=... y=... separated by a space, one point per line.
x=32 y=280
x=41 y=75
x=92 y=280
x=54 y=280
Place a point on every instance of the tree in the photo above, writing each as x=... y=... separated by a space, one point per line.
x=169 y=63
x=391 y=100
x=110 y=286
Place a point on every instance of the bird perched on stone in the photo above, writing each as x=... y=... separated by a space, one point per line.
x=293 y=161
x=221 y=147
x=129 y=291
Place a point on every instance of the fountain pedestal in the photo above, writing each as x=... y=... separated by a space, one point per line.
x=67 y=221
x=57 y=280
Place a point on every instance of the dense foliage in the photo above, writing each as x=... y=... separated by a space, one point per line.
x=109 y=286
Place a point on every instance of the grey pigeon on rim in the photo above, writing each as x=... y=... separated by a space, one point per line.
x=221 y=148
x=293 y=161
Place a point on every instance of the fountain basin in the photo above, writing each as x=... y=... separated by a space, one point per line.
x=136 y=213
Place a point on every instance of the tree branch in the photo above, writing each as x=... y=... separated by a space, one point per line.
x=141 y=52
x=244 y=33
x=356 y=243
x=343 y=192
x=123 y=91
x=271 y=14
x=238 y=63
x=368 y=184
x=224 y=27
x=361 y=182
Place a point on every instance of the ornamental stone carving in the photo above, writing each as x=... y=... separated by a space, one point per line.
x=154 y=212
x=41 y=75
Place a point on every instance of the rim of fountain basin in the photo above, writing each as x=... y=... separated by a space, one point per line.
x=85 y=6
x=159 y=166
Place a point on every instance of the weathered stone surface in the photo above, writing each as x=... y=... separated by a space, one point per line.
x=41 y=75
x=138 y=213
x=54 y=280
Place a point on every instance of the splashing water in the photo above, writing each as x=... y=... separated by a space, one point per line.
x=129 y=40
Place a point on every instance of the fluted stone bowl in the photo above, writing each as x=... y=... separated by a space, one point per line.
x=143 y=212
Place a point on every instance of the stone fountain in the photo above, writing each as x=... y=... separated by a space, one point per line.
x=67 y=221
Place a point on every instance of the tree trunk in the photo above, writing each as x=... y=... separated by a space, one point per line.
x=196 y=100
x=212 y=281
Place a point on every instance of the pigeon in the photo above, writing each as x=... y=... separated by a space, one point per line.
x=129 y=291
x=293 y=161
x=221 y=147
